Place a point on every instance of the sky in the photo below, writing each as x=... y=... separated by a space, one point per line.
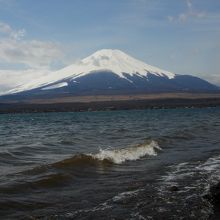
x=37 y=37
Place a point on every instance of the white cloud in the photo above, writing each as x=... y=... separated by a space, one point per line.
x=32 y=53
x=190 y=13
x=212 y=78
x=183 y=17
x=14 y=34
x=10 y=79
x=35 y=55
x=5 y=28
x=189 y=4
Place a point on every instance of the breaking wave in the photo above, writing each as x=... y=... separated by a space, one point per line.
x=102 y=158
x=128 y=154
x=111 y=156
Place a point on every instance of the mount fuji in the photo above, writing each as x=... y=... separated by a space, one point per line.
x=109 y=72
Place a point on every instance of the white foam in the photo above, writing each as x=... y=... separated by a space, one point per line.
x=212 y=164
x=208 y=173
x=108 y=204
x=125 y=195
x=128 y=154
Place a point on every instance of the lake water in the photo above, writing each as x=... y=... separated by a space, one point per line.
x=148 y=164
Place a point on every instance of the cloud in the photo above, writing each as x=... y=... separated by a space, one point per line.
x=212 y=78
x=5 y=28
x=13 y=78
x=170 y=18
x=190 y=13
x=34 y=54
x=189 y=4
x=14 y=34
x=14 y=49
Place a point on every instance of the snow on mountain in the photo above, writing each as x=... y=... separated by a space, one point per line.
x=56 y=86
x=115 y=61
x=108 y=60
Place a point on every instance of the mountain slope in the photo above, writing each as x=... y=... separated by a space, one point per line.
x=112 y=72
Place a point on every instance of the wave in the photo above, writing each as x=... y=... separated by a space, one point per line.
x=80 y=160
x=55 y=175
x=108 y=204
x=46 y=181
x=195 y=180
x=111 y=156
x=105 y=157
x=128 y=154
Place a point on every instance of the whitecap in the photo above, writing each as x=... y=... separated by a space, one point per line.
x=119 y=156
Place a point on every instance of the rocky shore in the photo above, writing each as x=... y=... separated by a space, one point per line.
x=213 y=197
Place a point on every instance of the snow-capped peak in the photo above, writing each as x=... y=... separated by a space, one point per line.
x=114 y=61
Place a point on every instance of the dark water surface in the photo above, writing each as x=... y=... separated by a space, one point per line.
x=151 y=164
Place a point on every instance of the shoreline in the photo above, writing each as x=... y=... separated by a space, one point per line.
x=159 y=103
